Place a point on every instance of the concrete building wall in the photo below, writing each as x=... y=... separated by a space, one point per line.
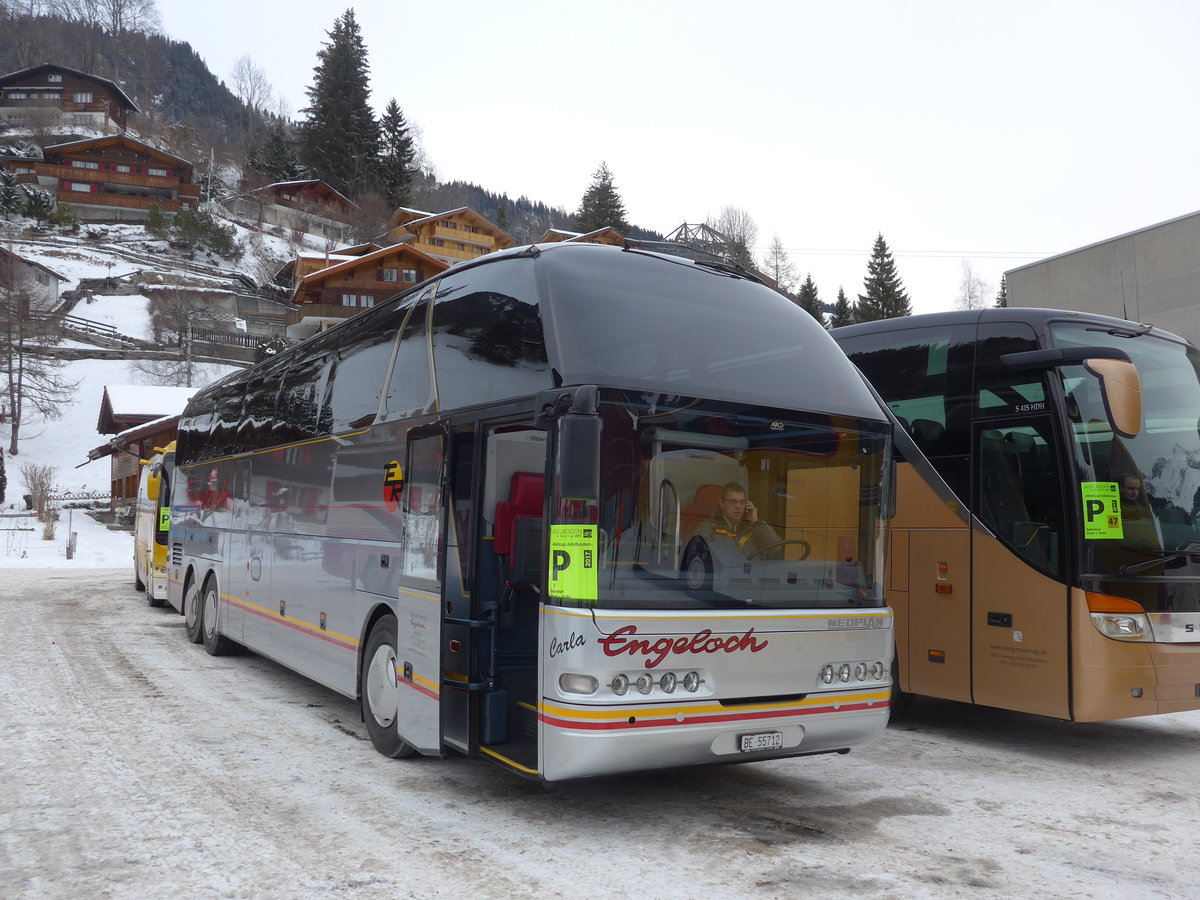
x=1151 y=275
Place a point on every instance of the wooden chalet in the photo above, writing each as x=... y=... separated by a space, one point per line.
x=141 y=417
x=49 y=96
x=38 y=284
x=114 y=177
x=350 y=284
x=454 y=236
x=310 y=207
x=605 y=235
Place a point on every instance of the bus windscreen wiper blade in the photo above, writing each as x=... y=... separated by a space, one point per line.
x=1185 y=553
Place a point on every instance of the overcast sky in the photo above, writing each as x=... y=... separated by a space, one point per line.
x=995 y=132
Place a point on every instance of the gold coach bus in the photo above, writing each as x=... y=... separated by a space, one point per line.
x=1045 y=555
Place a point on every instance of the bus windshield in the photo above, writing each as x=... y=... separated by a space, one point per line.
x=710 y=505
x=1151 y=482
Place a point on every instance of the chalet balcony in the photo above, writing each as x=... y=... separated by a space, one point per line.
x=110 y=176
x=449 y=252
x=320 y=311
x=117 y=201
x=465 y=237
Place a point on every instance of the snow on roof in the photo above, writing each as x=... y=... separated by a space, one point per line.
x=148 y=399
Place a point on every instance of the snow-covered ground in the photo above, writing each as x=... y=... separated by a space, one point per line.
x=135 y=765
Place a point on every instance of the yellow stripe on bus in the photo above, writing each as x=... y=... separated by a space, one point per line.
x=710 y=709
x=300 y=623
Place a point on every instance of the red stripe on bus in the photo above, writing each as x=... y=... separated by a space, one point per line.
x=419 y=688
x=704 y=719
x=303 y=629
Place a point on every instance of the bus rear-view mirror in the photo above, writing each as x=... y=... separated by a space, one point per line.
x=1121 y=389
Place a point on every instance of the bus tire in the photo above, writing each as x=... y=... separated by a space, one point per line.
x=901 y=700
x=379 y=691
x=151 y=600
x=193 y=611
x=214 y=642
x=137 y=579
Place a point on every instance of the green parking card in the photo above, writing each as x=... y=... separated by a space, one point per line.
x=1101 y=510
x=573 y=563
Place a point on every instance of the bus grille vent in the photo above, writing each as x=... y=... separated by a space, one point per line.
x=176 y=553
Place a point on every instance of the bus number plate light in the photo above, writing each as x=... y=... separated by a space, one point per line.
x=764 y=740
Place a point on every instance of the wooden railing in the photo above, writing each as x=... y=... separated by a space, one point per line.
x=117 y=200
x=466 y=237
x=111 y=176
x=319 y=311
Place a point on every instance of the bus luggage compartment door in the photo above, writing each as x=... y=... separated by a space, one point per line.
x=418 y=643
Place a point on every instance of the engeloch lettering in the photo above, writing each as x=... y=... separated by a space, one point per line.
x=623 y=641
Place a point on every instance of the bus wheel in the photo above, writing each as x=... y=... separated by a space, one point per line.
x=901 y=700
x=214 y=642
x=137 y=579
x=193 y=611
x=380 y=692
x=697 y=566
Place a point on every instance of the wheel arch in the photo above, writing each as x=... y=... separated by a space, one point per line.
x=380 y=610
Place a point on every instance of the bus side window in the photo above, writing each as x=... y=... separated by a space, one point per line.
x=409 y=386
x=487 y=335
x=360 y=363
x=299 y=399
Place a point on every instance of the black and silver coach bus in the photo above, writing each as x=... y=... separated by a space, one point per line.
x=494 y=509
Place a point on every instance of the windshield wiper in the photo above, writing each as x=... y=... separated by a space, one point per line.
x=1189 y=552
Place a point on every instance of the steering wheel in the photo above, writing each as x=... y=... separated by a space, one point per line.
x=759 y=551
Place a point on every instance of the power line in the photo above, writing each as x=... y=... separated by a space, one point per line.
x=920 y=254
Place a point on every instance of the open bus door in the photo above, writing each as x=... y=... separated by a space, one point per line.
x=419 y=612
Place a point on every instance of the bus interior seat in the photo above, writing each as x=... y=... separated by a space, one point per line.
x=519 y=528
x=928 y=435
x=700 y=510
x=1002 y=489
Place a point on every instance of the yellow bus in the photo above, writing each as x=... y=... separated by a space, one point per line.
x=1045 y=555
x=152 y=523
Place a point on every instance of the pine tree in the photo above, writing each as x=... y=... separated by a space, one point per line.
x=340 y=141
x=601 y=206
x=885 y=297
x=278 y=158
x=38 y=203
x=1002 y=294
x=807 y=300
x=843 y=312
x=502 y=217
x=779 y=266
x=398 y=158
x=10 y=195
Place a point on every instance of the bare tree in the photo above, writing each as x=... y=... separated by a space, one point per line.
x=973 y=291
x=33 y=383
x=739 y=229
x=173 y=318
x=39 y=485
x=778 y=265
x=253 y=89
x=250 y=84
x=115 y=19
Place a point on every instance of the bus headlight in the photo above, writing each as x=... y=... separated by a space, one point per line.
x=878 y=670
x=827 y=674
x=577 y=684
x=620 y=684
x=1121 y=626
x=691 y=682
x=645 y=683
x=844 y=672
x=668 y=682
